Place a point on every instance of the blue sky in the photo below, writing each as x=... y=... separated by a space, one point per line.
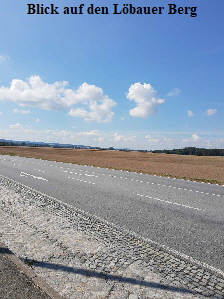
x=134 y=81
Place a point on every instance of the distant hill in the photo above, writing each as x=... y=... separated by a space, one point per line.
x=183 y=151
x=38 y=144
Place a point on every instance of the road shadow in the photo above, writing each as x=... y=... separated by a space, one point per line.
x=106 y=276
x=5 y=250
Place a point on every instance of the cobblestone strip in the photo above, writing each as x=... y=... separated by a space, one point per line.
x=83 y=256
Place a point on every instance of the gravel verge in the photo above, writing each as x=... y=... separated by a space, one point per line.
x=83 y=256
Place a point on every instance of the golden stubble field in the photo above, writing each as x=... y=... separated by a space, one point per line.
x=207 y=169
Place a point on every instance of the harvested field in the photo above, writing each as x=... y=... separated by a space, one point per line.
x=207 y=169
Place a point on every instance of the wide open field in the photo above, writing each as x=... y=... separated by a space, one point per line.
x=207 y=169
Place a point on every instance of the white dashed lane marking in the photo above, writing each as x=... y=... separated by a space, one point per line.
x=169 y=186
x=114 y=176
x=40 y=170
x=169 y=202
x=33 y=176
x=80 y=180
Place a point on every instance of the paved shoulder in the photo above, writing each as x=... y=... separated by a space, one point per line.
x=83 y=256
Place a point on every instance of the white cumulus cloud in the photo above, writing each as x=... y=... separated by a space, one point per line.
x=190 y=113
x=150 y=139
x=89 y=133
x=35 y=92
x=211 y=111
x=99 y=139
x=200 y=142
x=21 y=111
x=146 y=98
x=1 y=112
x=17 y=127
x=194 y=138
x=56 y=96
x=99 y=105
x=3 y=58
x=116 y=138
x=174 y=92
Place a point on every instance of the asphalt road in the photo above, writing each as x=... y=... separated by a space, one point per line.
x=185 y=216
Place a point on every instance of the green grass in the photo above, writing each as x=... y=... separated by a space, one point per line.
x=9 y=154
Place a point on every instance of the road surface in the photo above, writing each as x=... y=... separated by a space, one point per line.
x=183 y=215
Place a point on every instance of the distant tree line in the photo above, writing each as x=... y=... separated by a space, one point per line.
x=11 y=143
x=5 y=143
x=193 y=151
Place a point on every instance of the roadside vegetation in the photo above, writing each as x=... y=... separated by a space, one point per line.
x=193 y=151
